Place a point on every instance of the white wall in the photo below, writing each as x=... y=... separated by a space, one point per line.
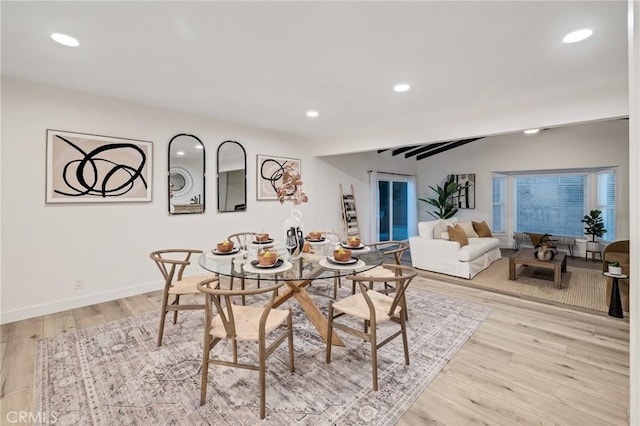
x=47 y=247
x=596 y=144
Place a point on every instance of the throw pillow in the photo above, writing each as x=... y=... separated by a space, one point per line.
x=426 y=229
x=457 y=234
x=468 y=229
x=439 y=230
x=482 y=229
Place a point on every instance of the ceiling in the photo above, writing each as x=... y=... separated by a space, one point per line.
x=475 y=68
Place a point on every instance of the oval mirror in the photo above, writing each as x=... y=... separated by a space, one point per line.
x=186 y=175
x=232 y=177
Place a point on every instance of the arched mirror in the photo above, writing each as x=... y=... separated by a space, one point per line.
x=232 y=177
x=186 y=175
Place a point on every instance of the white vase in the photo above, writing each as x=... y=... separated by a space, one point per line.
x=615 y=270
x=593 y=246
x=292 y=232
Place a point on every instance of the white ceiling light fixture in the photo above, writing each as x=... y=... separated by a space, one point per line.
x=401 y=87
x=180 y=153
x=531 y=131
x=64 y=39
x=312 y=114
x=579 y=35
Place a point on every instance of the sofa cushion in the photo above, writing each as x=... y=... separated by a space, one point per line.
x=483 y=229
x=458 y=235
x=440 y=231
x=468 y=229
x=476 y=248
x=425 y=229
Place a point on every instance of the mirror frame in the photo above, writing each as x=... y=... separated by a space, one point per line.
x=204 y=174
x=244 y=153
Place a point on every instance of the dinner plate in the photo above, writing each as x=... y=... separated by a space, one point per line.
x=225 y=253
x=347 y=246
x=351 y=261
x=269 y=241
x=255 y=264
x=311 y=240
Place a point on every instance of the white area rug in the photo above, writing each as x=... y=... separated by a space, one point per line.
x=113 y=374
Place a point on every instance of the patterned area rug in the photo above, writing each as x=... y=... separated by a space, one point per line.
x=113 y=374
x=582 y=287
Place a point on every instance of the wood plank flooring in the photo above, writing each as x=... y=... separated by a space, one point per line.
x=529 y=363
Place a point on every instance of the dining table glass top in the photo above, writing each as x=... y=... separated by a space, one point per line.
x=316 y=264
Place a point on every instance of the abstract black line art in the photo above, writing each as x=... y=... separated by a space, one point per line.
x=97 y=168
x=270 y=173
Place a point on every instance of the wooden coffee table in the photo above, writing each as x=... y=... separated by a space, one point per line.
x=526 y=257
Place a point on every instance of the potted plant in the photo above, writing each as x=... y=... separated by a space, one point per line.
x=594 y=226
x=615 y=268
x=445 y=204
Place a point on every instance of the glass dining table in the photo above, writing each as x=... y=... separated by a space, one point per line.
x=296 y=274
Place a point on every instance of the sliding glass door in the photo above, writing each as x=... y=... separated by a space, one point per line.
x=395 y=206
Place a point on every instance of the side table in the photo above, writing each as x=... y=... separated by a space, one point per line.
x=615 y=304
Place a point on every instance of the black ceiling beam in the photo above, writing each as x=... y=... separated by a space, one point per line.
x=380 y=151
x=403 y=149
x=446 y=148
x=424 y=148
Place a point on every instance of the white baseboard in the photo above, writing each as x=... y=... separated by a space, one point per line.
x=77 y=302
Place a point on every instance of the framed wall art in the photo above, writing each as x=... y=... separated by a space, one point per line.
x=83 y=168
x=269 y=175
x=466 y=197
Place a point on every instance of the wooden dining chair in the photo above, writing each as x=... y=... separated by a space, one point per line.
x=225 y=320
x=172 y=264
x=243 y=239
x=373 y=308
x=394 y=249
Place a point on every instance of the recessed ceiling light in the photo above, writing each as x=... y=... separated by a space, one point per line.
x=576 y=36
x=312 y=114
x=180 y=152
x=65 y=39
x=199 y=147
x=531 y=131
x=401 y=87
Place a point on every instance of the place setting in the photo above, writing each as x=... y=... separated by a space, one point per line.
x=268 y=261
x=355 y=244
x=225 y=249
x=341 y=259
x=263 y=241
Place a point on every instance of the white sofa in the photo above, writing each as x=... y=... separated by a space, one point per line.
x=447 y=257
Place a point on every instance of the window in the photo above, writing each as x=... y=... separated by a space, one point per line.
x=499 y=203
x=607 y=202
x=553 y=202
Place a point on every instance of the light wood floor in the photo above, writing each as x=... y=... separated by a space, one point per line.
x=529 y=363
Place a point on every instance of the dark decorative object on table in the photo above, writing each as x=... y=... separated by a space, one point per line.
x=544 y=252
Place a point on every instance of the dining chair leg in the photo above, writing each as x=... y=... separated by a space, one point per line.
x=263 y=384
x=205 y=370
x=175 y=313
x=374 y=357
x=290 y=326
x=329 y=332
x=234 y=346
x=405 y=343
x=163 y=315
